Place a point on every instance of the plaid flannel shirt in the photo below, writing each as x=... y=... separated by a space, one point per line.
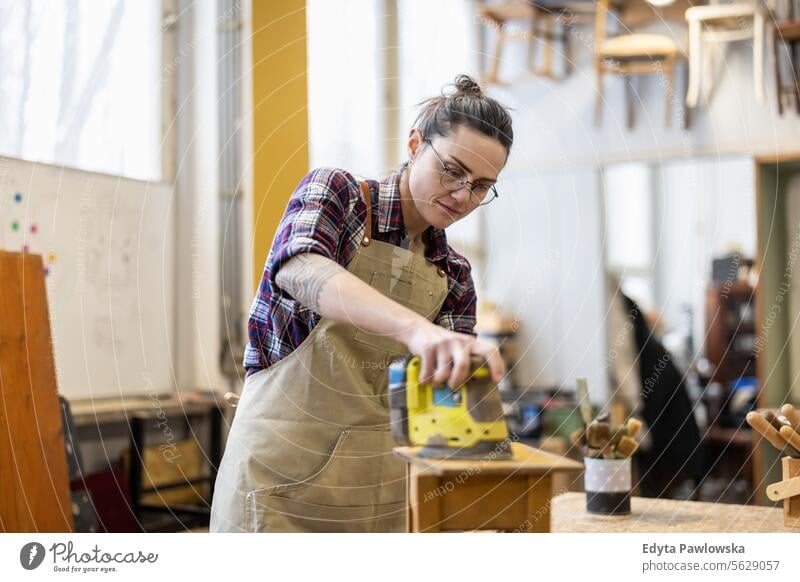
x=326 y=215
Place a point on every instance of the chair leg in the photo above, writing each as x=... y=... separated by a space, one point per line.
x=695 y=63
x=494 y=71
x=547 y=66
x=629 y=98
x=686 y=122
x=778 y=83
x=534 y=38
x=794 y=49
x=759 y=28
x=598 y=103
x=567 y=31
x=669 y=75
x=709 y=69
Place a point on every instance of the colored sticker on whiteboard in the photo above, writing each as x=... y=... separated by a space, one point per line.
x=51 y=257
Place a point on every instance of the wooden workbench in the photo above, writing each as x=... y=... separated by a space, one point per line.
x=648 y=515
x=97 y=411
x=150 y=413
x=466 y=495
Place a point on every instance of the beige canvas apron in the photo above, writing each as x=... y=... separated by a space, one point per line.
x=309 y=449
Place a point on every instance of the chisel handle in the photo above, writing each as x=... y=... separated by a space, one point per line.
x=792 y=415
x=762 y=426
x=790 y=436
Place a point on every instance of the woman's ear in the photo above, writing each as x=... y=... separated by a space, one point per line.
x=414 y=142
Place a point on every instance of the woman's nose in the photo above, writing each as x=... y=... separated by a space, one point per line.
x=461 y=196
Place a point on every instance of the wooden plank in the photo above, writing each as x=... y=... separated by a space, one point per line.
x=424 y=500
x=637 y=13
x=34 y=489
x=87 y=412
x=488 y=502
x=792 y=158
x=539 y=502
x=647 y=515
x=526 y=461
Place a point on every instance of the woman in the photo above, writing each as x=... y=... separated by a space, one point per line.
x=359 y=274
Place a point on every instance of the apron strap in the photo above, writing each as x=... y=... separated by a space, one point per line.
x=368 y=199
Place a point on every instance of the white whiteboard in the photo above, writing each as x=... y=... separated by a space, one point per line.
x=108 y=248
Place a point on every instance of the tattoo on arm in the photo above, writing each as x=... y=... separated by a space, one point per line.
x=304 y=277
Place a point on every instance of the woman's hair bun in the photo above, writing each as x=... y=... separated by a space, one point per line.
x=467 y=85
x=463 y=102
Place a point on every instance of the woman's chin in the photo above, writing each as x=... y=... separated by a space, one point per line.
x=441 y=221
x=441 y=218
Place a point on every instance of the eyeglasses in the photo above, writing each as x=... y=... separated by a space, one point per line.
x=453 y=179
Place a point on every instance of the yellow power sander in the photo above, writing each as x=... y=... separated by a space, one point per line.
x=466 y=422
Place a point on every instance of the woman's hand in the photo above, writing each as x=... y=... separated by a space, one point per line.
x=446 y=354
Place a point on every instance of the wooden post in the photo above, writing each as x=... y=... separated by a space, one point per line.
x=791 y=505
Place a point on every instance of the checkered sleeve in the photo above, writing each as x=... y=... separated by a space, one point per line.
x=314 y=220
x=458 y=311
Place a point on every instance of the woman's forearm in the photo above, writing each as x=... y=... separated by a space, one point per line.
x=329 y=289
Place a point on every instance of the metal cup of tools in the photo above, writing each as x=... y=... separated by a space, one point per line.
x=607 y=451
x=608 y=485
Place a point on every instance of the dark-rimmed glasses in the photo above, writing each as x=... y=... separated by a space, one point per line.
x=454 y=179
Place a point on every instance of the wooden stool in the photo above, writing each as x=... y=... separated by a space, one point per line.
x=456 y=495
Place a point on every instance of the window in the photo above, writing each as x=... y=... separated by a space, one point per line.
x=437 y=42
x=81 y=84
x=344 y=85
x=630 y=235
x=351 y=114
